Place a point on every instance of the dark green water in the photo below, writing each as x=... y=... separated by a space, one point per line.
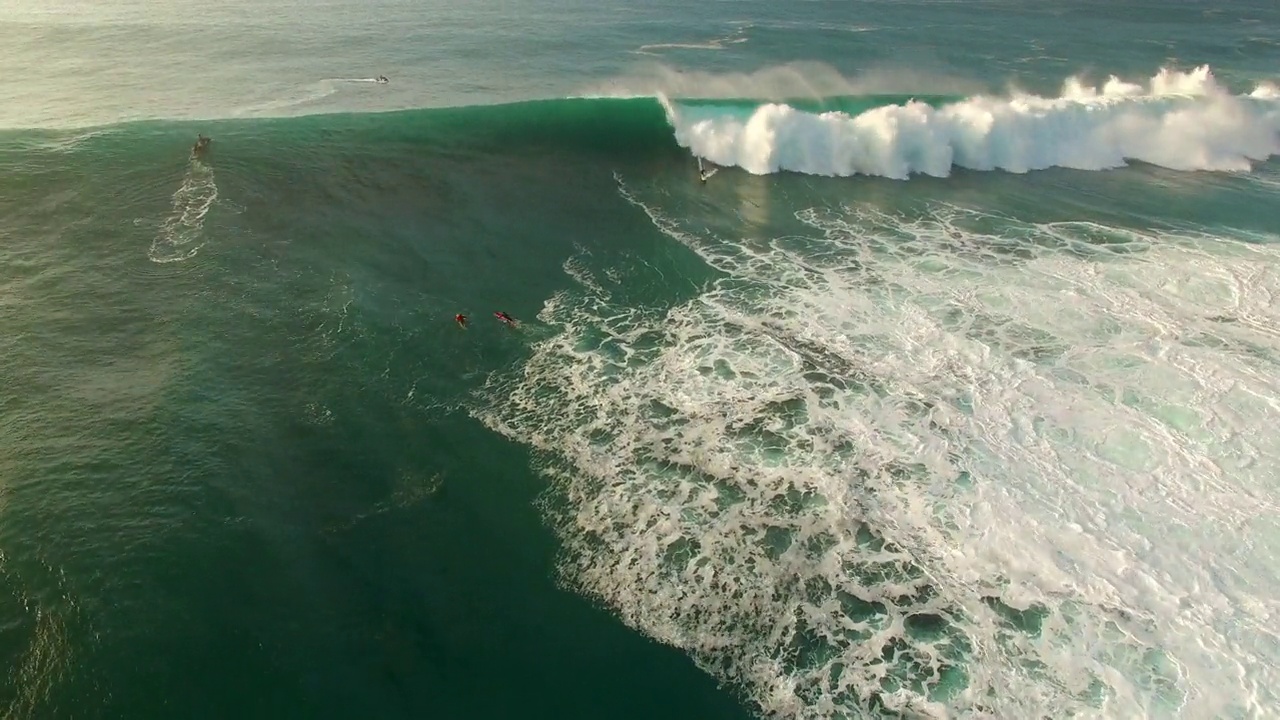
x=992 y=439
x=245 y=483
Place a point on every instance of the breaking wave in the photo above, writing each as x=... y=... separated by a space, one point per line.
x=1179 y=120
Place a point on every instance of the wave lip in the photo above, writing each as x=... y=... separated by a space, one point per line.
x=1182 y=121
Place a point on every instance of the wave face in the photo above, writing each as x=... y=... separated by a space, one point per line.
x=1182 y=121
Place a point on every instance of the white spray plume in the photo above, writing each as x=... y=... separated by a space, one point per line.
x=784 y=82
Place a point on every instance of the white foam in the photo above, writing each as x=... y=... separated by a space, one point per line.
x=1266 y=91
x=1183 y=121
x=737 y=37
x=181 y=235
x=295 y=97
x=900 y=423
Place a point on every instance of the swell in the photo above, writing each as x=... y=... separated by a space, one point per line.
x=611 y=125
x=1179 y=120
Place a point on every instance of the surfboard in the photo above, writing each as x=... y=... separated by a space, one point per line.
x=704 y=173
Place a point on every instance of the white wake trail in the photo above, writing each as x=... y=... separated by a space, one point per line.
x=181 y=235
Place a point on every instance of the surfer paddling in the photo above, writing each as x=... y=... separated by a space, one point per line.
x=202 y=144
x=505 y=318
x=461 y=320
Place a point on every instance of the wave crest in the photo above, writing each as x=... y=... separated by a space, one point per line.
x=1178 y=120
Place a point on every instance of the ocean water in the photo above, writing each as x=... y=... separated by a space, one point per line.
x=951 y=392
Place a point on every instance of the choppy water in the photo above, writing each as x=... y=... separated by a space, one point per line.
x=949 y=393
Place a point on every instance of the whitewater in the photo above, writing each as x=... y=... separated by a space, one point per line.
x=934 y=465
x=1179 y=120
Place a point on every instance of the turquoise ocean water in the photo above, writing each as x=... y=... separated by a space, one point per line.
x=951 y=392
